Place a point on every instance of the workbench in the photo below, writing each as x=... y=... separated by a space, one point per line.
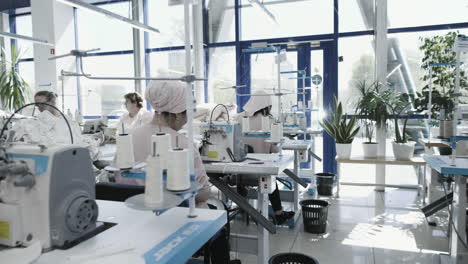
x=442 y=164
x=418 y=162
x=142 y=237
x=267 y=166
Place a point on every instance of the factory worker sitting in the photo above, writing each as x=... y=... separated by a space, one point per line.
x=256 y=108
x=170 y=115
x=50 y=128
x=136 y=115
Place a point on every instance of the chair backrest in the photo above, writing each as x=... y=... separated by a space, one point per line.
x=117 y=192
x=292 y=258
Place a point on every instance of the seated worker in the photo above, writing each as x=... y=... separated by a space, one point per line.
x=256 y=108
x=170 y=115
x=51 y=128
x=136 y=116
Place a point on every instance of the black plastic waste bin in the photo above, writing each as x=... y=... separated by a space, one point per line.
x=289 y=258
x=315 y=214
x=325 y=183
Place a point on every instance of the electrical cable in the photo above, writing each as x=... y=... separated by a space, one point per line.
x=36 y=104
x=212 y=111
x=451 y=219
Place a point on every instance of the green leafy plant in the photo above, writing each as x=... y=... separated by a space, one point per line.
x=398 y=104
x=13 y=89
x=370 y=108
x=439 y=49
x=338 y=126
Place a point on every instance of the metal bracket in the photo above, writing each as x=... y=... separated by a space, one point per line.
x=295 y=177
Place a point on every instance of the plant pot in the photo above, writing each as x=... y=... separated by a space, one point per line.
x=403 y=151
x=343 y=151
x=446 y=128
x=370 y=150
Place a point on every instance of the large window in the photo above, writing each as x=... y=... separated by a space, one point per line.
x=166 y=63
x=98 y=31
x=24 y=27
x=293 y=18
x=169 y=19
x=222 y=75
x=356 y=15
x=221 y=17
x=404 y=13
x=104 y=96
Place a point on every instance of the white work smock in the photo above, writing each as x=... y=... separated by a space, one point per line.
x=131 y=123
x=142 y=150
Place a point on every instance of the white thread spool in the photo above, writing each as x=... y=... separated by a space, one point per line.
x=164 y=144
x=245 y=124
x=266 y=124
x=125 y=158
x=178 y=178
x=276 y=132
x=154 y=179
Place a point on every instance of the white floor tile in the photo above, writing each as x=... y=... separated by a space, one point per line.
x=388 y=256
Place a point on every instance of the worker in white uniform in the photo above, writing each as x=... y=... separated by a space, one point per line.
x=256 y=108
x=170 y=115
x=136 y=115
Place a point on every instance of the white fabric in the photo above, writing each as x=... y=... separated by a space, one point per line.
x=258 y=144
x=256 y=103
x=203 y=112
x=51 y=130
x=142 y=150
x=166 y=96
x=131 y=123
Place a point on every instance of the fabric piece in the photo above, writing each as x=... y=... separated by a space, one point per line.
x=167 y=96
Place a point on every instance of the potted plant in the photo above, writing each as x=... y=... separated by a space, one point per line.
x=341 y=129
x=397 y=105
x=439 y=49
x=372 y=112
x=13 y=89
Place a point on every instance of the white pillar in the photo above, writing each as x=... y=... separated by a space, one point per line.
x=53 y=22
x=4 y=42
x=198 y=50
x=138 y=46
x=381 y=61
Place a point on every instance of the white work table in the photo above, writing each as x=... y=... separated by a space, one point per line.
x=442 y=164
x=142 y=237
x=419 y=162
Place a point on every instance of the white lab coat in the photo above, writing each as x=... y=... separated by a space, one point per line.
x=131 y=123
x=142 y=150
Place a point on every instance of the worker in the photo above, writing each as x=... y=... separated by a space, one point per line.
x=51 y=128
x=256 y=108
x=136 y=115
x=170 y=115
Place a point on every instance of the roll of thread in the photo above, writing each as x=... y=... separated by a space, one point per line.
x=178 y=178
x=164 y=144
x=154 y=180
x=245 y=124
x=266 y=123
x=125 y=158
x=276 y=132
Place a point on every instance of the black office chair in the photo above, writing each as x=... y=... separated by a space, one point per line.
x=117 y=192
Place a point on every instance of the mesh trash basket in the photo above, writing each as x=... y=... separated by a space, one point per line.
x=314 y=214
x=292 y=258
x=325 y=182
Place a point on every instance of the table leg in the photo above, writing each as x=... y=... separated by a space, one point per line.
x=458 y=253
x=263 y=235
x=295 y=184
x=424 y=185
x=338 y=178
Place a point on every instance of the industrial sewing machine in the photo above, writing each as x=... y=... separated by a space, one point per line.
x=94 y=126
x=46 y=195
x=222 y=142
x=294 y=122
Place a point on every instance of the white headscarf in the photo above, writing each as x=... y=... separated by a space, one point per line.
x=167 y=96
x=257 y=102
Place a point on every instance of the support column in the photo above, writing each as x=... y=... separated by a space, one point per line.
x=198 y=50
x=381 y=61
x=138 y=46
x=5 y=27
x=53 y=22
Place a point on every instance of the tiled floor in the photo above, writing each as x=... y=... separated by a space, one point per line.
x=364 y=227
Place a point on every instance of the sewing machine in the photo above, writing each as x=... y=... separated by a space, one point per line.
x=94 y=126
x=46 y=195
x=293 y=122
x=222 y=142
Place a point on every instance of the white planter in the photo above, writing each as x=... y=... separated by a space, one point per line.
x=370 y=150
x=343 y=151
x=446 y=128
x=403 y=151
